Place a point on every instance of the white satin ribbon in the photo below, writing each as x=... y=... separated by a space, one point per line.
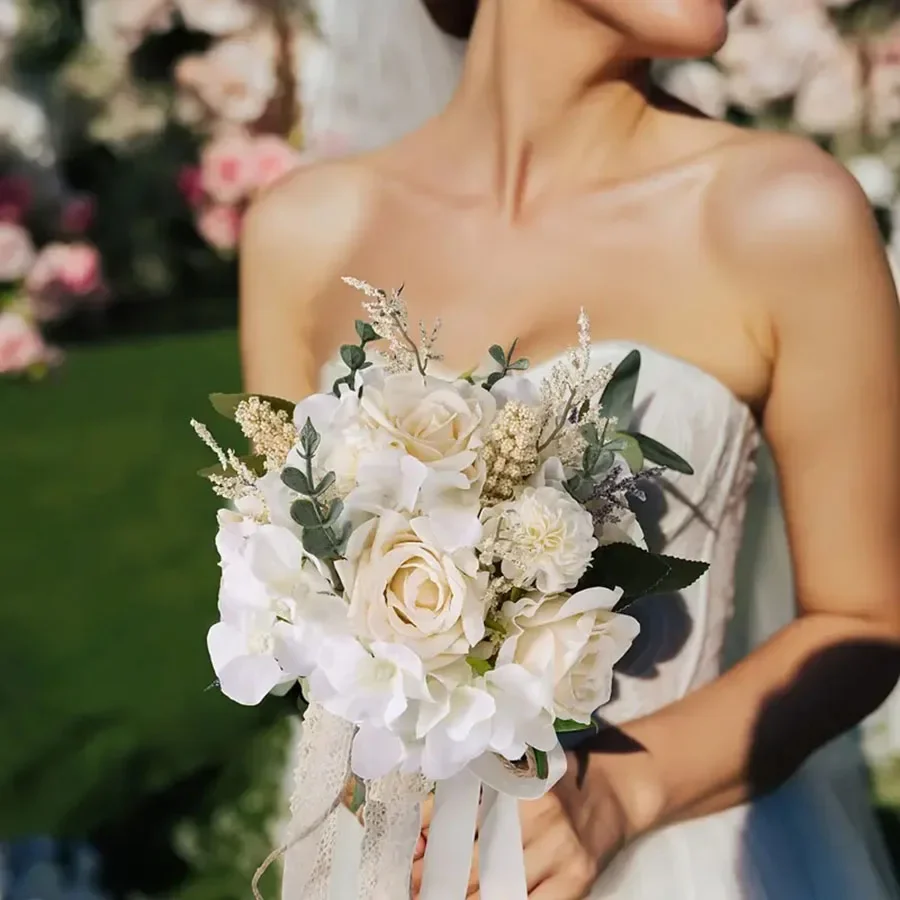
x=490 y=786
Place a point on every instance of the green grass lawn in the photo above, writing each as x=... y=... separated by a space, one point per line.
x=107 y=725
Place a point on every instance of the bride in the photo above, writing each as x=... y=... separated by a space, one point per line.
x=747 y=269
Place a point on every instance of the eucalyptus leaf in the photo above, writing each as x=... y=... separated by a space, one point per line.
x=580 y=488
x=318 y=543
x=590 y=434
x=353 y=356
x=334 y=513
x=296 y=480
x=520 y=365
x=498 y=354
x=366 y=332
x=491 y=380
x=511 y=353
x=590 y=458
x=226 y=404
x=309 y=438
x=305 y=514
x=342 y=539
x=660 y=454
x=617 y=401
x=327 y=481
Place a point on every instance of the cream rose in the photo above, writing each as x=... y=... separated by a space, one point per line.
x=440 y=424
x=415 y=581
x=573 y=640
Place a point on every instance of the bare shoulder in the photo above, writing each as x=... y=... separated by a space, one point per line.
x=779 y=199
x=310 y=220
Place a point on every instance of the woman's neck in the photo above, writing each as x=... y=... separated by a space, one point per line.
x=546 y=98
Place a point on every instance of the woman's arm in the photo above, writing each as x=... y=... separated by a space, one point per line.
x=294 y=242
x=795 y=231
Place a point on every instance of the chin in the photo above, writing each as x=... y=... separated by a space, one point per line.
x=678 y=29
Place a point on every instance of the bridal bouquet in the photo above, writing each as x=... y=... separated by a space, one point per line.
x=442 y=564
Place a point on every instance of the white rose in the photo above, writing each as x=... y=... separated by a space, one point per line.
x=415 y=581
x=437 y=422
x=544 y=537
x=575 y=641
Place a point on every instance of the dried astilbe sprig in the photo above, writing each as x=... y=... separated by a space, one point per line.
x=608 y=502
x=571 y=391
x=236 y=480
x=510 y=451
x=271 y=432
x=389 y=317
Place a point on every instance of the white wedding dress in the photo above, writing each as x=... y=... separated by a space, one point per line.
x=381 y=70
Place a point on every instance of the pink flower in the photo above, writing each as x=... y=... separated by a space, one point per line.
x=64 y=274
x=16 y=252
x=78 y=214
x=227 y=168
x=15 y=198
x=220 y=227
x=273 y=157
x=190 y=185
x=21 y=345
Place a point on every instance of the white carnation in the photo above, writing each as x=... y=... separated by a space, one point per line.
x=544 y=537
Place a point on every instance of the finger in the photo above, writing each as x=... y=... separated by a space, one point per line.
x=420 y=847
x=473 y=874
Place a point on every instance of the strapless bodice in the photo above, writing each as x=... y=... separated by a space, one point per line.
x=697 y=516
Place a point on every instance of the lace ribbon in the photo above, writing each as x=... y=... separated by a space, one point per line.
x=392 y=819
x=323 y=767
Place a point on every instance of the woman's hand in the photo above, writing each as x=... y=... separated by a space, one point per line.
x=561 y=861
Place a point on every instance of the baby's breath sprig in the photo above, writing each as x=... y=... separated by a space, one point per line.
x=390 y=319
x=322 y=536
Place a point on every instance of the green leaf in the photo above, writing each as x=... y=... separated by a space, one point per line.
x=617 y=401
x=353 y=356
x=305 y=514
x=568 y=726
x=590 y=458
x=334 y=513
x=227 y=404
x=309 y=438
x=296 y=481
x=344 y=379
x=326 y=482
x=491 y=380
x=366 y=332
x=629 y=567
x=520 y=365
x=317 y=542
x=511 y=353
x=342 y=539
x=660 y=454
x=541 y=764
x=682 y=573
x=498 y=354
x=590 y=434
x=630 y=450
x=580 y=488
x=479 y=666
x=356 y=799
